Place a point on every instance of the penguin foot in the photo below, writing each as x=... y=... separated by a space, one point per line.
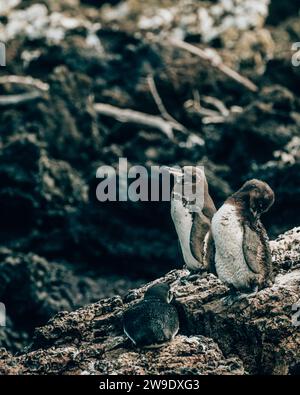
x=230 y=300
x=192 y=276
x=188 y=279
x=155 y=346
x=237 y=297
x=248 y=295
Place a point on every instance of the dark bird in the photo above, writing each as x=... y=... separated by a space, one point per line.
x=242 y=258
x=154 y=321
x=192 y=210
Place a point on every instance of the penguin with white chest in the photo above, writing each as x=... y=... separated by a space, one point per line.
x=192 y=210
x=242 y=254
x=152 y=322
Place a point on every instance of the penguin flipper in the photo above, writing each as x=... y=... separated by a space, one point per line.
x=252 y=249
x=267 y=256
x=200 y=227
x=210 y=253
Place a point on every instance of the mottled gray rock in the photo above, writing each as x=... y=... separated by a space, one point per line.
x=286 y=250
x=209 y=20
x=253 y=335
x=185 y=355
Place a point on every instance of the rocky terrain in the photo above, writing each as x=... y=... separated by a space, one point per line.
x=60 y=248
x=256 y=335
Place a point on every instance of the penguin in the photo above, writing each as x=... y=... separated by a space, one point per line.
x=242 y=258
x=152 y=322
x=192 y=217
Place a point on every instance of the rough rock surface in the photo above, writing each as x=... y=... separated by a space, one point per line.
x=255 y=335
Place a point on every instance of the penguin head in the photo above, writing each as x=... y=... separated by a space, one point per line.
x=191 y=174
x=159 y=291
x=261 y=196
x=190 y=186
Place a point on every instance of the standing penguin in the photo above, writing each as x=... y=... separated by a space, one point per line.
x=191 y=215
x=153 y=321
x=242 y=255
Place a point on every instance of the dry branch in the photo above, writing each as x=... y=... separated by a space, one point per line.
x=161 y=106
x=192 y=137
x=215 y=62
x=13 y=100
x=126 y=115
x=16 y=99
x=21 y=80
x=210 y=116
x=218 y=104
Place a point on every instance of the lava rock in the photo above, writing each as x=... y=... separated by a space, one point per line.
x=254 y=335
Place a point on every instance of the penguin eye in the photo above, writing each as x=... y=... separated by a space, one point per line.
x=262 y=205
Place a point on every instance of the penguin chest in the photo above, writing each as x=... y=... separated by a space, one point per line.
x=227 y=231
x=183 y=221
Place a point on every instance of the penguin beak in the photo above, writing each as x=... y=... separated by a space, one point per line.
x=174 y=171
x=170 y=296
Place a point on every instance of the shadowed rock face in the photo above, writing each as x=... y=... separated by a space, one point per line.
x=254 y=335
x=33 y=290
